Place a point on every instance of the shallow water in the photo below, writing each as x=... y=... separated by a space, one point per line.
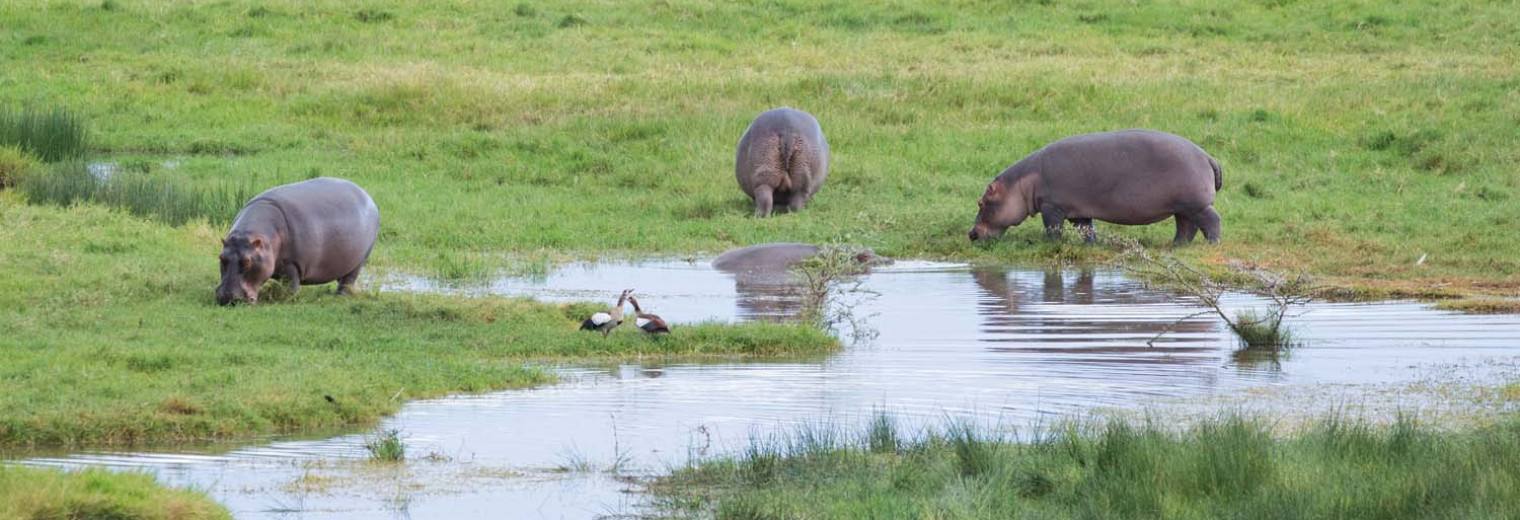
x=1008 y=347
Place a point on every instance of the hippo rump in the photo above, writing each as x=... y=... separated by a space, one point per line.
x=308 y=233
x=780 y=257
x=782 y=160
x=1130 y=177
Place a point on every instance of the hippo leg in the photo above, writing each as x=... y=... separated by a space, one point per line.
x=796 y=204
x=1185 y=230
x=1053 y=218
x=762 y=201
x=1207 y=221
x=292 y=278
x=346 y=284
x=1085 y=226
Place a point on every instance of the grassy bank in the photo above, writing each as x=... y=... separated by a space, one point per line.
x=1224 y=468
x=111 y=335
x=1357 y=137
x=34 y=493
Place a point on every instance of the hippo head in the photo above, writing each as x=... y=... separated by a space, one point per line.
x=247 y=262
x=1002 y=207
x=868 y=258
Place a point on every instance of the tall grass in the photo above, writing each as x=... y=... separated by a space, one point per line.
x=1227 y=467
x=142 y=194
x=51 y=134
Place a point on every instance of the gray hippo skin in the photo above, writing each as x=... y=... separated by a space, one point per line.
x=307 y=233
x=1130 y=177
x=779 y=256
x=782 y=160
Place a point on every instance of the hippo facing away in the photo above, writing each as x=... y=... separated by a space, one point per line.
x=307 y=233
x=782 y=160
x=1130 y=177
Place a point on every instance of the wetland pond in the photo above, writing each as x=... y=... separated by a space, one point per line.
x=1007 y=347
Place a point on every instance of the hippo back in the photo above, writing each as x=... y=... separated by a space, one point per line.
x=785 y=124
x=331 y=223
x=1126 y=177
x=764 y=257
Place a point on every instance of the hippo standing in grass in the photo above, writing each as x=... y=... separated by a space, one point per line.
x=782 y=160
x=307 y=233
x=1130 y=177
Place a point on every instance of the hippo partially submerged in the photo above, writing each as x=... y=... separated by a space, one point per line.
x=1130 y=177
x=781 y=256
x=307 y=233
x=782 y=160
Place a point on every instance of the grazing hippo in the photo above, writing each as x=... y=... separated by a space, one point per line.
x=307 y=233
x=782 y=160
x=1130 y=177
x=780 y=257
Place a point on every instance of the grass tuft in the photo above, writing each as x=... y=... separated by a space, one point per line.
x=386 y=446
x=50 y=134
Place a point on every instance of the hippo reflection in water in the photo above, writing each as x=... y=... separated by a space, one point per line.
x=763 y=280
x=1098 y=330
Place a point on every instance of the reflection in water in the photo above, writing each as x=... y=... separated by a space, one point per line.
x=768 y=296
x=1007 y=347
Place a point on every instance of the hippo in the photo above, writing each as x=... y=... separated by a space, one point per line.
x=782 y=160
x=780 y=256
x=1129 y=177
x=308 y=233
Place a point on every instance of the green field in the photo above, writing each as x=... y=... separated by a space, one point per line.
x=1358 y=138
x=1355 y=136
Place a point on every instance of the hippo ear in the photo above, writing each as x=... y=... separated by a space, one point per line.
x=257 y=243
x=994 y=189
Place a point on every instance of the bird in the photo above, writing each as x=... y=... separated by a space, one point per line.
x=609 y=319
x=648 y=323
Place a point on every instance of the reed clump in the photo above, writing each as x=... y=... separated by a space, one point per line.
x=51 y=134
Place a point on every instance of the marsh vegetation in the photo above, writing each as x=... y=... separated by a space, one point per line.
x=1226 y=467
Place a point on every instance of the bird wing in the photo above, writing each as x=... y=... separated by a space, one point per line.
x=601 y=318
x=641 y=321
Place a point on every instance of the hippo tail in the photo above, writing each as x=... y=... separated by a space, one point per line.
x=786 y=148
x=1218 y=177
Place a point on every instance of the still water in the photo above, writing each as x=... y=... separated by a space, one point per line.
x=1010 y=348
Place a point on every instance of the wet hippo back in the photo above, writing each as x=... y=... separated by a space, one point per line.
x=764 y=257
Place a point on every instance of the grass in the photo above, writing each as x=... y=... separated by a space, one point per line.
x=1229 y=467
x=40 y=493
x=1344 y=128
x=386 y=446
x=111 y=336
x=158 y=197
x=50 y=134
x=14 y=164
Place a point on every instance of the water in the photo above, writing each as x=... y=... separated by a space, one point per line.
x=1007 y=347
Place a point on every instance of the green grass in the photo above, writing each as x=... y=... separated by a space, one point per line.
x=158 y=197
x=1223 y=468
x=52 y=134
x=1355 y=136
x=37 y=493
x=111 y=336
